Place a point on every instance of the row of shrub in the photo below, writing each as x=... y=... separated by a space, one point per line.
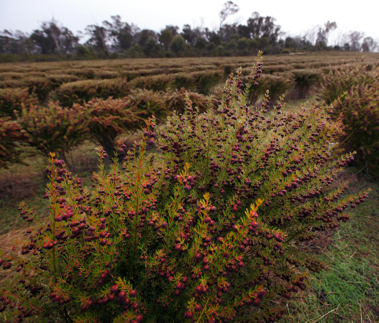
x=58 y=129
x=82 y=91
x=70 y=90
x=202 y=82
x=359 y=107
x=131 y=72
x=211 y=229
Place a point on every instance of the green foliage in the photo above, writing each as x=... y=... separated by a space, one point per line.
x=208 y=229
x=82 y=91
x=11 y=136
x=53 y=129
x=360 y=116
x=178 y=44
x=12 y=100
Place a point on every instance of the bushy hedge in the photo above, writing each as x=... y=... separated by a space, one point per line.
x=14 y=99
x=156 y=82
x=58 y=79
x=342 y=79
x=88 y=73
x=353 y=90
x=12 y=136
x=11 y=76
x=39 y=86
x=112 y=117
x=81 y=91
x=208 y=230
x=53 y=129
x=176 y=101
x=359 y=110
x=201 y=81
x=109 y=118
x=276 y=84
x=304 y=80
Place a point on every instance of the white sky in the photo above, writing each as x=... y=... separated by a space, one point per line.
x=294 y=16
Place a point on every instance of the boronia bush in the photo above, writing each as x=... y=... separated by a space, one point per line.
x=342 y=79
x=107 y=119
x=359 y=109
x=206 y=230
x=53 y=128
x=12 y=136
x=12 y=100
x=354 y=94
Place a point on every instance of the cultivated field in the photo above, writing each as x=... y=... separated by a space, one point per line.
x=73 y=107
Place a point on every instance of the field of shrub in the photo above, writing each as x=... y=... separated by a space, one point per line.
x=174 y=190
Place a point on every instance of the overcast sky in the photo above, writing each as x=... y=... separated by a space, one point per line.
x=295 y=16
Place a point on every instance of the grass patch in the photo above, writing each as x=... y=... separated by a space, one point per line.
x=349 y=289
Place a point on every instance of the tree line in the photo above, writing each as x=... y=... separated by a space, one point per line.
x=119 y=39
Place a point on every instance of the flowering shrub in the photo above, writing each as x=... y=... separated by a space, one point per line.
x=14 y=99
x=342 y=79
x=39 y=86
x=360 y=116
x=207 y=230
x=11 y=136
x=53 y=128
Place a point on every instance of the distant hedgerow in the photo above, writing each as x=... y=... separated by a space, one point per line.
x=85 y=90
